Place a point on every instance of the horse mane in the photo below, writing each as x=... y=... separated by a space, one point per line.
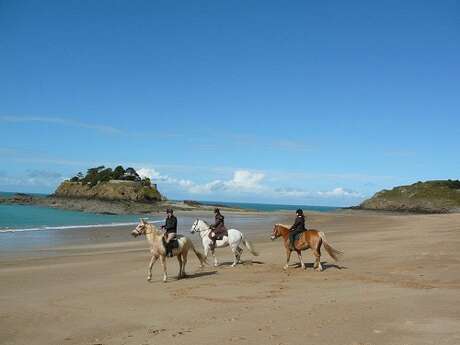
x=204 y=222
x=283 y=225
x=154 y=228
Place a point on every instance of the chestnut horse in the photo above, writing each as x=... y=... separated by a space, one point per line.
x=309 y=239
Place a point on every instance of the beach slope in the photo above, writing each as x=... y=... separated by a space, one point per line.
x=399 y=283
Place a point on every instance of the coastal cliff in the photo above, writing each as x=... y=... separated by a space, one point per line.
x=113 y=190
x=440 y=196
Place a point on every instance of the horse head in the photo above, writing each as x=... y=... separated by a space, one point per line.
x=194 y=227
x=140 y=229
x=277 y=231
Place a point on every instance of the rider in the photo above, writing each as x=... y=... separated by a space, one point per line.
x=218 y=228
x=170 y=227
x=297 y=228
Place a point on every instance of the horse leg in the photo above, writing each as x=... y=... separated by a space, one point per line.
x=184 y=262
x=236 y=253
x=239 y=250
x=317 y=253
x=214 y=256
x=205 y=249
x=149 y=271
x=163 y=264
x=288 y=257
x=179 y=258
x=299 y=254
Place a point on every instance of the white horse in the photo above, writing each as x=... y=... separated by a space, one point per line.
x=234 y=239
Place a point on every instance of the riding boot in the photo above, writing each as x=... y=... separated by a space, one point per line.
x=168 y=250
x=292 y=243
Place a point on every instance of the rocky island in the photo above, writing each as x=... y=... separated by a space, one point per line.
x=103 y=190
x=439 y=196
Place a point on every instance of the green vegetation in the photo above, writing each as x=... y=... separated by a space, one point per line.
x=429 y=197
x=102 y=174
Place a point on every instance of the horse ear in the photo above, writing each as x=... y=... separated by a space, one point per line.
x=143 y=221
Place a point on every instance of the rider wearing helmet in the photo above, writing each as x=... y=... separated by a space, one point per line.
x=297 y=228
x=218 y=228
x=170 y=228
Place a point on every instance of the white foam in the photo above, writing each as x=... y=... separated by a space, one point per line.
x=67 y=227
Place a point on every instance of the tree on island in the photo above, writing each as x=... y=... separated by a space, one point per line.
x=102 y=174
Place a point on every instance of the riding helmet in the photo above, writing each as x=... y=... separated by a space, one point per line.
x=299 y=212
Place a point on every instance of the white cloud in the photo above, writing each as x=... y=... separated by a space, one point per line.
x=340 y=192
x=242 y=181
x=246 y=182
x=150 y=173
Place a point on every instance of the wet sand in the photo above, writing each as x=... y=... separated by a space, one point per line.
x=398 y=283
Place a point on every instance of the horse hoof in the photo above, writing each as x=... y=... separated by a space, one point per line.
x=149 y=279
x=285 y=267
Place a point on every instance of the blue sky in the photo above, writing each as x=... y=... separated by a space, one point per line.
x=264 y=101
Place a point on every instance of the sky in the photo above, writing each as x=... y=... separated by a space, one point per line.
x=299 y=102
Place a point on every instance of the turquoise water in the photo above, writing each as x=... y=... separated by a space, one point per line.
x=36 y=218
x=14 y=218
x=27 y=218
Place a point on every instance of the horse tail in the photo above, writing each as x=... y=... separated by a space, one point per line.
x=334 y=253
x=249 y=245
x=200 y=256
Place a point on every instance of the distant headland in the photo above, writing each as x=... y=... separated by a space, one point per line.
x=439 y=196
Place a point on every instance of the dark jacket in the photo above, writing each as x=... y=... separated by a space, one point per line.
x=171 y=224
x=299 y=224
x=219 y=225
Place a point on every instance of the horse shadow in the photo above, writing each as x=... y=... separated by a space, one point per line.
x=242 y=262
x=200 y=274
x=325 y=265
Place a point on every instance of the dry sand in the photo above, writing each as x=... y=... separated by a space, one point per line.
x=398 y=283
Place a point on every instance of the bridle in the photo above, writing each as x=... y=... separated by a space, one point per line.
x=275 y=232
x=196 y=229
x=145 y=230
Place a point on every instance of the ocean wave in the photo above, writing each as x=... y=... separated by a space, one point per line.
x=67 y=227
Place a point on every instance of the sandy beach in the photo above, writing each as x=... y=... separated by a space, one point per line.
x=398 y=283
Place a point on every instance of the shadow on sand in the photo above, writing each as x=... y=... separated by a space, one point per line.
x=200 y=274
x=326 y=265
x=242 y=262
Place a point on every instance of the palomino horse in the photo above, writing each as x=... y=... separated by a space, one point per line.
x=158 y=250
x=234 y=239
x=309 y=239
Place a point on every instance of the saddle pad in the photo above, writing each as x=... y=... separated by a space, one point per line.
x=297 y=236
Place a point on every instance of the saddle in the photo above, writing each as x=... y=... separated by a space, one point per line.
x=173 y=243
x=297 y=236
x=219 y=235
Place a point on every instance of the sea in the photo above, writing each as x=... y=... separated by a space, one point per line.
x=21 y=218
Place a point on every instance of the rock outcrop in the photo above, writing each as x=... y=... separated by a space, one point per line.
x=442 y=196
x=113 y=190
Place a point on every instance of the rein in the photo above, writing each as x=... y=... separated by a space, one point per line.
x=195 y=227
